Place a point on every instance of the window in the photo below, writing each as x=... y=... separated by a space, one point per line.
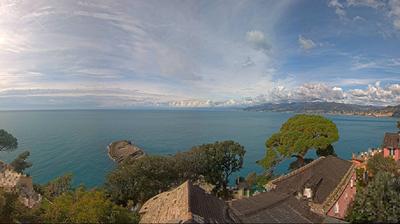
x=391 y=151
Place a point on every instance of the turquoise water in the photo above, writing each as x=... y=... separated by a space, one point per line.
x=75 y=141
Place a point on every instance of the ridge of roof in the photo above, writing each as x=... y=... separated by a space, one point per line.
x=282 y=198
x=303 y=168
x=296 y=171
x=188 y=186
x=156 y=204
x=335 y=194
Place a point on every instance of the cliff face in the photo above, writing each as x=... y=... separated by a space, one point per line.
x=329 y=108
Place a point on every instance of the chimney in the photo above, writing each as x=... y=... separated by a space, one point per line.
x=308 y=193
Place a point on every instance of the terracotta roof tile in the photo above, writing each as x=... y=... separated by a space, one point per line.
x=186 y=203
x=391 y=140
x=281 y=205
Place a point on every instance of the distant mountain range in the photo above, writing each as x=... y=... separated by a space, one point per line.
x=329 y=108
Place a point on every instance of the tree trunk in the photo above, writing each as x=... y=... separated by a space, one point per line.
x=300 y=159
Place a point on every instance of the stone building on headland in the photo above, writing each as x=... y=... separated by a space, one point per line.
x=318 y=192
x=11 y=181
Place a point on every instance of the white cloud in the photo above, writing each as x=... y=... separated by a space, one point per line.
x=82 y=97
x=375 y=94
x=339 y=8
x=361 y=62
x=258 y=40
x=369 y=3
x=359 y=18
x=372 y=94
x=308 y=92
x=306 y=44
x=394 y=12
x=390 y=8
x=76 y=45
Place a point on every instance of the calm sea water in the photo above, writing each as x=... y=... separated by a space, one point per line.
x=75 y=141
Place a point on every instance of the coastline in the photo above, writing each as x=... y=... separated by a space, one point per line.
x=329 y=113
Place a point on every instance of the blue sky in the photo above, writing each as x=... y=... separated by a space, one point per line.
x=127 y=54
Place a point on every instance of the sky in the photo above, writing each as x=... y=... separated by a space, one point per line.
x=81 y=54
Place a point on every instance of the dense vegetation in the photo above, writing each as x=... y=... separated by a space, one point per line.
x=138 y=180
x=7 y=141
x=63 y=204
x=84 y=206
x=298 y=135
x=20 y=164
x=128 y=186
x=378 y=197
x=398 y=125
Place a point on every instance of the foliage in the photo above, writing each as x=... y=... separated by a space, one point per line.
x=251 y=178
x=139 y=180
x=20 y=164
x=220 y=160
x=56 y=187
x=82 y=206
x=380 y=163
x=360 y=178
x=258 y=181
x=378 y=202
x=398 y=124
x=189 y=165
x=296 y=136
x=327 y=151
x=7 y=141
x=8 y=203
x=13 y=211
x=299 y=162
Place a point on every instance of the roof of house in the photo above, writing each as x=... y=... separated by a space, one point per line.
x=391 y=140
x=323 y=174
x=186 y=203
x=274 y=207
x=281 y=204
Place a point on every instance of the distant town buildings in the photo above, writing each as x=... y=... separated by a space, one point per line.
x=390 y=148
x=11 y=181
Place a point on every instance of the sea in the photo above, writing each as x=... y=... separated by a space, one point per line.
x=75 y=141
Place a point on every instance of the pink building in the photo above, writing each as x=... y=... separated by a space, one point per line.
x=391 y=146
x=339 y=208
x=319 y=192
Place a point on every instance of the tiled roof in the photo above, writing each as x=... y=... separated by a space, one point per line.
x=186 y=203
x=324 y=175
x=281 y=205
x=391 y=140
x=274 y=207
